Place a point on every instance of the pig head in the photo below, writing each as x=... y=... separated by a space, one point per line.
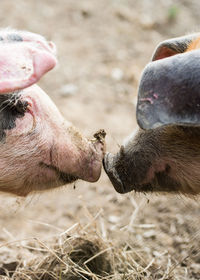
x=163 y=155
x=38 y=148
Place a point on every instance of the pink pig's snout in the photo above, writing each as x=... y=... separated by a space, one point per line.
x=76 y=155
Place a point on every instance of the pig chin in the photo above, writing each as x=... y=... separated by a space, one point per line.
x=61 y=177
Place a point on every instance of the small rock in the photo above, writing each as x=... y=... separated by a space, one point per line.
x=149 y=234
x=117 y=74
x=113 y=219
x=68 y=89
x=147 y=22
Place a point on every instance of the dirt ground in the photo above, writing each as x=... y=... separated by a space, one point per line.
x=103 y=45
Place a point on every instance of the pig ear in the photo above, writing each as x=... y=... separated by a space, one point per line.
x=173 y=46
x=169 y=92
x=23 y=64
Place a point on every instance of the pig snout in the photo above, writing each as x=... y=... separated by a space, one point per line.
x=109 y=164
x=75 y=155
x=41 y=150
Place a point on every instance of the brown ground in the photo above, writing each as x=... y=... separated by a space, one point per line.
x=103 y=45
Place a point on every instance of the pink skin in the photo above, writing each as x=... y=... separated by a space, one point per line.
x=24 y=63
x=40 y=140
x=42 y=150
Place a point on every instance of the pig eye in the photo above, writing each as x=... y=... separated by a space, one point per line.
x=15 y=104
x=13 y=37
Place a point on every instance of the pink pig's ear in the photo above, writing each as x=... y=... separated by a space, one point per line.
x=173 y=46
x=24 y=58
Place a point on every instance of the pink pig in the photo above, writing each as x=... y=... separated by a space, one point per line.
x=38 y=149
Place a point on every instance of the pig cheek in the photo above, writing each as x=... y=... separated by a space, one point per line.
x=23 y=126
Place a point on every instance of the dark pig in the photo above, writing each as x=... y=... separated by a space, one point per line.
x=164 y=154
x=38 y=148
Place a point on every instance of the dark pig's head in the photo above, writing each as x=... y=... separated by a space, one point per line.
x=164 y=154
x=39 y=149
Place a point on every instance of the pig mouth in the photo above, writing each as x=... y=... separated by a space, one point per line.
x=63 y=177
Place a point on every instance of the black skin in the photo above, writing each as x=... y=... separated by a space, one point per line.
x=11 y=108
x=12 y=38
x=169 y=91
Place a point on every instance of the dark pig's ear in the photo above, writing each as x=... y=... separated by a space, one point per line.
x=173 y=46
x=169 y=91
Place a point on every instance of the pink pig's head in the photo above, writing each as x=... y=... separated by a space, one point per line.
x=38 y=148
